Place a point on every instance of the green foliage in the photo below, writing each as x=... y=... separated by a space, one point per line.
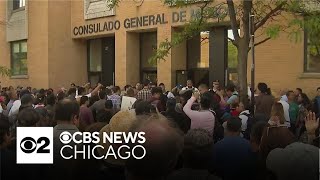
x=4 y=71
x=273 y=31
x=232 y=55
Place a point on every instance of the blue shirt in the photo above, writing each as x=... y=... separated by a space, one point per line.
x=233 y=158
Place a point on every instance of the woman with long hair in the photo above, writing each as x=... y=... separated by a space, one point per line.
x=277 y=115
x=263 y=102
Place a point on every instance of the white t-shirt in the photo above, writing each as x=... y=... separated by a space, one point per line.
x=284 y=98
x=193 y=88
x=285 y=106
x=79 y=96
x=15 y=107
x=244 y=120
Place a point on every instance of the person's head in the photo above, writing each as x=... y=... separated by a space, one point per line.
x=116 y=90
x=189 y=83
x=240 y=107
x=41 y=98
x=81 y=91
x=156 y=92
x=304 y=100
x=130 y=92
x=108 y=92
x=263 y=89
x=51 y=100
x=163 y=87
x=126 y=87
x=67 y=111
x=277 y=111
x=12 y=95
x=256 y=134
x=291 y=96
x=108 y=105
x=72 y=92
x=84 y=100
x=146 y=83
x=23 y=92
x=28 y=117
x=27 y=100
x=164 y=144
x=5 y=135
x=44 y=117
x=60 y=96
x=138 y=86
x=233 y=127
x=142 y=107
x=102 y=94
x=185 y=96
x=197 y=149
x=203 y=88
x=318 y=91
x=72 y=85
x=298 y=91
x=229 y=90
x=206 y=100
x=216 y=85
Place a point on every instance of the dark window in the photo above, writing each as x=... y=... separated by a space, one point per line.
x=18 y=4
x=19 y=58
x=311 y=53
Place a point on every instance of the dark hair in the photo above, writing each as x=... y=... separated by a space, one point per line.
x=102 y=94
x=142 y=107
x=146 y=83
x=257 y=131
x=130 y=92
x=230 y=88
x=115 y=89
x=206 y=100
x=28 y=117
x=234 y=124
x=305 y=101
x=66 y=109
x=26 y=99
x=41 y=98
x=51 y=100
x=203 y=86
x=161 y=84
x=187 y=95
x=4 y=127
x=126 y=87
x=83 y=100
x=108 y=91
x=289 y=92
x=72 y=91
x=156 y=90
x=299 y=89
x=108 y=104
x=23 y=92
x=81 y=90
x=263 y=87
x=197 y=149
x=318 y=88
x=60 y=96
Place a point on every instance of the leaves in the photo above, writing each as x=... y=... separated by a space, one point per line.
x=4 y=71
x=273 y=31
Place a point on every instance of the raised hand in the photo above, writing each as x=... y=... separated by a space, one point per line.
x=311 y=122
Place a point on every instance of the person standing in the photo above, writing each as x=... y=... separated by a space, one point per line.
x=264 y=102
x=293 y=110
x=145 y=93
x=189 y=86
x=317 y=103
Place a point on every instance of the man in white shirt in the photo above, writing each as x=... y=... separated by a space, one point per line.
x=81 y=91
x=285 y=106
x=190 y=86
x=17 y=103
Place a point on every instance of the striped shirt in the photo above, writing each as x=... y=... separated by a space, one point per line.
x=144 y=94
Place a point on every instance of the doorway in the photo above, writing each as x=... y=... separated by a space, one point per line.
x=101 y=61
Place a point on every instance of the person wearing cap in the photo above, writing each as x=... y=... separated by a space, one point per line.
x=232 y=156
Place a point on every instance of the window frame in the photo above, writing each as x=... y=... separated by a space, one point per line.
x=12 y=59
x=305 y=53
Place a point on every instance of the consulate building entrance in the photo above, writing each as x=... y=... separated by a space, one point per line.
x=101 y=60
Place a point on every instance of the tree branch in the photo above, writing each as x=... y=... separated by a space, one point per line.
x=263 y=41
x=233 y=19
x=267 y=16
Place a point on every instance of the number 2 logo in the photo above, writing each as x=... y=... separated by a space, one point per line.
x=29 y=145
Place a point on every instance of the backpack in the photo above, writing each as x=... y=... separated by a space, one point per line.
x=250 y=123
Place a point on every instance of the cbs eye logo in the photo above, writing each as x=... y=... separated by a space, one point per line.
x=65 y=137
x=34 y=145
x=29 y=145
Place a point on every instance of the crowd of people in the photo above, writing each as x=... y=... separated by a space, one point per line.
x=202 y=133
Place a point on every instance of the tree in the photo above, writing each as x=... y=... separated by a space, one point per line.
x=266 y=16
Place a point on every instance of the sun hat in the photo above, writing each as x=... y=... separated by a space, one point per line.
x=120 y=122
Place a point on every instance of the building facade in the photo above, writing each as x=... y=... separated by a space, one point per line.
x=54 y=43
